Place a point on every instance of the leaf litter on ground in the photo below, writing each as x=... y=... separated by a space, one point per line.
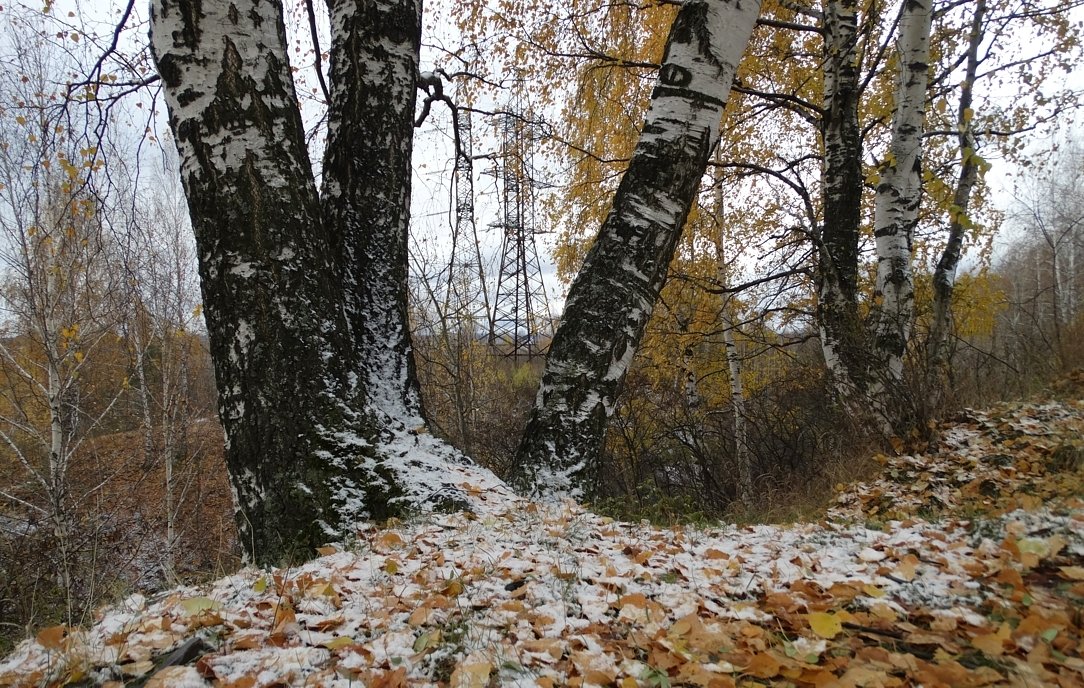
x=961 y=566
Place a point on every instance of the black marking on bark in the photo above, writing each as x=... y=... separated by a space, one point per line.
x=675 y=75
x=691 y=27
x=697 y=97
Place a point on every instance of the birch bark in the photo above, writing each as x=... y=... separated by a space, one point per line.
x=730 y=319
x=899 y=193
x=304 y=297
x=842 y=334
x=612 y=297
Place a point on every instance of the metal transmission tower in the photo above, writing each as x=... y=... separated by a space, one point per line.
x=521 y=314
x=466 y=300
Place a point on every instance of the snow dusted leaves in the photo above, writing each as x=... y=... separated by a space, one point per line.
x=557 y=596
x=517 y=594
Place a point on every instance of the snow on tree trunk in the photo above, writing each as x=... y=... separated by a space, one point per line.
x=305 y=298
x=842 y=334
x=899 y=193
x=612 y=297
x=277 y=334
x=375 y=48
x=939 y=348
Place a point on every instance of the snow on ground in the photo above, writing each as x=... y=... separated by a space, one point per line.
x=895 y=587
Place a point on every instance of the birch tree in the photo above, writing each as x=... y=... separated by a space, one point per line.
x=304 y=292
x=615 y=291
x=838 y=238
x=896 y=204
x=59 y=297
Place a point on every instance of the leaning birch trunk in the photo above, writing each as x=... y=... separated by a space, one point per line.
x=939 y=348
x=842 y=334
x=899 y=193
x=612 y=297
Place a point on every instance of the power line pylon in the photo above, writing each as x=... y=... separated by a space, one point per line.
x=521 y=315
x=466 y=299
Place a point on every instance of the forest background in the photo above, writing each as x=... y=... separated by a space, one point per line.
x=113 y=477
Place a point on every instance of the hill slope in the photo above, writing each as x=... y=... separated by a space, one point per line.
x=959 y=567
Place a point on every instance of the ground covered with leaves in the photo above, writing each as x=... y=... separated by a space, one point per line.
x=961 y=566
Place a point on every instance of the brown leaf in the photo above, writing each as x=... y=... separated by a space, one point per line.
x=391 y=540
x=326 y=624
x=390 y=679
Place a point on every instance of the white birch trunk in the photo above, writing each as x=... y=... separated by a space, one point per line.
x=58 y=451
x=305 y=297
x=612 y=298
x=899 y=194
x=737 y=402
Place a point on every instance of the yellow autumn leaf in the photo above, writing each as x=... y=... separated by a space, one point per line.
x=471 y=675
x=824 y=624
x=990 y=644
x=872 y=590
x=454 y=588
x=339 y=643
x=197 y=605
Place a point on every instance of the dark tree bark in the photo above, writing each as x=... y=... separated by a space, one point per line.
x=614 y=293
x=939 y=347
x=304 y=297
x=843 y=337
x=370 y=204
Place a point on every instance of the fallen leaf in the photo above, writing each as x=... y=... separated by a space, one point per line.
x=198 y=605
x=52 y=638
x=763 y=665
x=1075 y=573
x=339 y=643
x=474 y=675
x=824 y=624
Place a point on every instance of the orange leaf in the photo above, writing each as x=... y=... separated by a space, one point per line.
x=990 y=644
x=763 y=665
x=52 y=638
x=390 y=679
